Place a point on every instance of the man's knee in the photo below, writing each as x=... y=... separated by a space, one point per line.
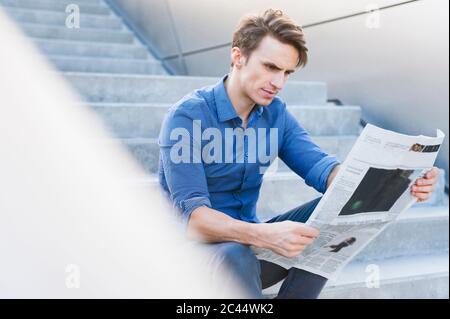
x=313 y=204
x=298 y=214
x=242 y=262
x=240 y=257
x=305 y=211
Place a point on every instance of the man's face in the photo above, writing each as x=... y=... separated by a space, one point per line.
x=267 y=70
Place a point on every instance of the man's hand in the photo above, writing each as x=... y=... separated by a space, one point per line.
x=286 y=238
x=423 y=187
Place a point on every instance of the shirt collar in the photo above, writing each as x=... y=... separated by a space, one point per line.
x=259 y=109
x=225 y=109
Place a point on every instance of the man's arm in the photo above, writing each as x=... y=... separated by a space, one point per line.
x=286 y=238
x=333 y=174
x=305 y=157
x=210 y=225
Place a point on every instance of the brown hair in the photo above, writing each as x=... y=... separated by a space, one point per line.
x=252 y=29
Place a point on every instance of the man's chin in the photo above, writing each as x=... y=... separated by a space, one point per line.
x=265 y=102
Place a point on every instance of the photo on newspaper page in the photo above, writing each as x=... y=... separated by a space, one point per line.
x=369 y=192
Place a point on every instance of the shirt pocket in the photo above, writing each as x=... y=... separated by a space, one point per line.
x=222 y=177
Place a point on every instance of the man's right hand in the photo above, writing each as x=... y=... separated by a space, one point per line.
x=286 y=238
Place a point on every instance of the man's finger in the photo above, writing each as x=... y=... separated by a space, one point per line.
x=308 y=231
x=434 y=172
x=426 y=181
x=422 y=189
x=422 y=196
x=299 y=247
x=303 y=240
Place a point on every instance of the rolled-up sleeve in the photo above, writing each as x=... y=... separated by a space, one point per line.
x=303 y=156
x=186 y=180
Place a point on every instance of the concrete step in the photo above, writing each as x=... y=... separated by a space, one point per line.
x=419 y=230
x=82 y=34
x=96 y=2
x=107 y=65
x=129 y=120
x=92 y=49
x=146 y=150
x=417 y=277
x=281 y=192
x=414 y=277
x=60 y=5
x=55 y=18
x=169 y=89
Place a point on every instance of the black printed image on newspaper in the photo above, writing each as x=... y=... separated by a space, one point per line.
x=378 y=191
x=336 y=247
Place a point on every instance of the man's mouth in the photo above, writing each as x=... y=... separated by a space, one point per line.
x=269 y=93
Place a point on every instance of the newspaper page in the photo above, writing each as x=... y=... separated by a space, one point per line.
x=369 y=192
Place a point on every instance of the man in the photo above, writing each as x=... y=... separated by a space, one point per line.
x=217 y=199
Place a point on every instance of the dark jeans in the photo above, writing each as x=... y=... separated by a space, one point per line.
x=255 y=275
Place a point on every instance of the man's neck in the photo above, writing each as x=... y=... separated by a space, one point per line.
x=241 y=103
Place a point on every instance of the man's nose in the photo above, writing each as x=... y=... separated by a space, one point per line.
x=278 y=81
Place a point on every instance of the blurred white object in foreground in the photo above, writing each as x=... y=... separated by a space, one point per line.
x=71 y=223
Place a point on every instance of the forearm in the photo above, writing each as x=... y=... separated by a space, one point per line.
x=332 y=175
x=211 y=226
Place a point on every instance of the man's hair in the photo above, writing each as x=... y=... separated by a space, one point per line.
x=252 y=29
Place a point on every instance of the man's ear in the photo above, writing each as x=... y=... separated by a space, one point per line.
x=237 y=58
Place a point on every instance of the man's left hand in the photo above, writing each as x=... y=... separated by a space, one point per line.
x=423 y=187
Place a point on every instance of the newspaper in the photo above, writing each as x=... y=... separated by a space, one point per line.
x=370 y=191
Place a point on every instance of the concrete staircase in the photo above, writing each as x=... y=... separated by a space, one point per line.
x=101 y=44
x=131 y=91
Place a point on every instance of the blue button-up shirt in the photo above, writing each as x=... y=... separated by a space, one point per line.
x=231 y=185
